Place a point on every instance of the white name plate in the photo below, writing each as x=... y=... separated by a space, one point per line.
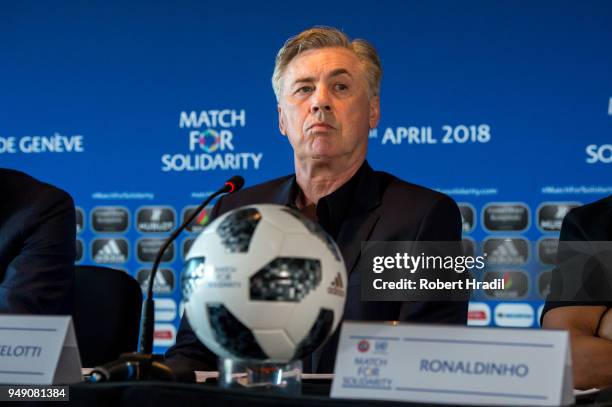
x=453 y=365
x=38 y=350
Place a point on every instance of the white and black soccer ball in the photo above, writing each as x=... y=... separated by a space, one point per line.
x=264 y=283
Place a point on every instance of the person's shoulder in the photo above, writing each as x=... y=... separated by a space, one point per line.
x=592 y=209
x=592 y=221
x=419 y=212
x=12 y=178
x=265 y=187
x=19 y=186
x=590 y=213
x=407 y=192
x=265 y=192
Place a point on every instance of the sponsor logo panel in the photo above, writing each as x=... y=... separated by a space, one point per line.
x=147 y=248
x=517 y=315
x=544 y=280
x=468 y=217
x=547 y=250
x=164 y=335
x=506 y=217
x=155 y=219
x=164 y=282
x=479 y=314
x=110 y=219
x=550 y=215
x=110 y=250
x=80 y=219
x=506 y=251
x=516 y=284
x=165 y=310
x=200 y=221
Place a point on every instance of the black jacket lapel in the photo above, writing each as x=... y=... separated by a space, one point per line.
x=286 y=193
x=353 y=232
x=362 y=217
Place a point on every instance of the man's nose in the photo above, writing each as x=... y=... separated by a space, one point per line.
x=320 y=100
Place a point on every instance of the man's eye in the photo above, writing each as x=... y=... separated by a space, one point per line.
x=340 y=86
x=304 y=89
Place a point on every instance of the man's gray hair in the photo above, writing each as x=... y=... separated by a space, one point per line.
x=325 y=37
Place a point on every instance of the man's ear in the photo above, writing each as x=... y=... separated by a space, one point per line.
x=281 y=120
x=374 y=111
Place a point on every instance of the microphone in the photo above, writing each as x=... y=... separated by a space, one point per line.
x=141 y=365
x=131 y=369
x=148 y=313
x=234 y=184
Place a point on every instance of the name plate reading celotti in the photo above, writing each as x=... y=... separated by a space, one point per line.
x=38 y=350
x=453 y=365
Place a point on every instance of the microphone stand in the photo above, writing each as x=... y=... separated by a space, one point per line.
x=144 y=365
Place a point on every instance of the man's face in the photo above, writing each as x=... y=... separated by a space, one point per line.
x=324 y=107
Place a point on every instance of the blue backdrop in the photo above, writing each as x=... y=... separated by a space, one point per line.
x=105 y=100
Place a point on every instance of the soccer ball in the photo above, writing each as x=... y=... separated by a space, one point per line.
x=264 y=283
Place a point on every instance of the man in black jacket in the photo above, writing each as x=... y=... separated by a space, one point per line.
x=586 y=235
x=327 y=89
x=37 y=246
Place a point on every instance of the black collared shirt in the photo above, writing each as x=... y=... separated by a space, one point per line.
x=333 y=209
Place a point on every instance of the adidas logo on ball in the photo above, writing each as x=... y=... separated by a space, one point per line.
x=336 y=287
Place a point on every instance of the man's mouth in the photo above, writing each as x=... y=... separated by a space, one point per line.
x=320 y=126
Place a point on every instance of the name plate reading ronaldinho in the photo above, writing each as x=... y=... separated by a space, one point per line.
x=38 y=350
x=453 y=365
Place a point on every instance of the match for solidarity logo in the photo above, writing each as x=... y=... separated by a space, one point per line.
x=212 y=143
